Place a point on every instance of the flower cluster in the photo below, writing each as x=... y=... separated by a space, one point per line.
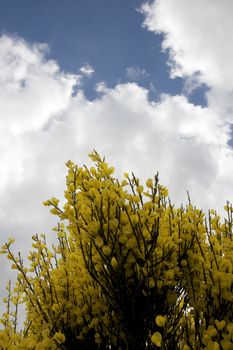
x=130 y=271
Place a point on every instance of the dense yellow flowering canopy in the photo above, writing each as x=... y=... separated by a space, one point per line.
x=130 y=271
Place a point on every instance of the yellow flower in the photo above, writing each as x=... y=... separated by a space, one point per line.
x=106 y=250
x=80 y=321
x=211 y=331
x=124 y=183
x=213 y=345
x=157 y=339
x=151 y=283
x=97 y=338
x=11 y=240
x=149 y=183
x=230 y=328
x=226 y=344
x=131 y=243
x=139 y=189
x=220 y=324
x=99 y=241
x=160 y=320
x=114 y=262
x=59 y=337
x=159 y=284
x=183 y=263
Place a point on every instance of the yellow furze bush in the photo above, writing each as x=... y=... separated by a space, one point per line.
x=130 y=271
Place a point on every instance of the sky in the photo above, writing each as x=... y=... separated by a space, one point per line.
x=148 y=84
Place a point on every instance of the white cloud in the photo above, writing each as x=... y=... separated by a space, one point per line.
x=136 y=73
x=87 y=70
x=101 y=87
x=32 y=91
x=32 y=88
x=172 y=136
x=197 y=36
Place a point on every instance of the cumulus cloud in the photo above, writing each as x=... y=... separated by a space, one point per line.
x=101 y=87
x=197 y=36
x=25 y=72
x=185 y=143
x=33 y=91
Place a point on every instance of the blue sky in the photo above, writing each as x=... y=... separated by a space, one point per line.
x=147 y=84
x=107 y=34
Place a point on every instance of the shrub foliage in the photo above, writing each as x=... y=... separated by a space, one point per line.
x=130 y=271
